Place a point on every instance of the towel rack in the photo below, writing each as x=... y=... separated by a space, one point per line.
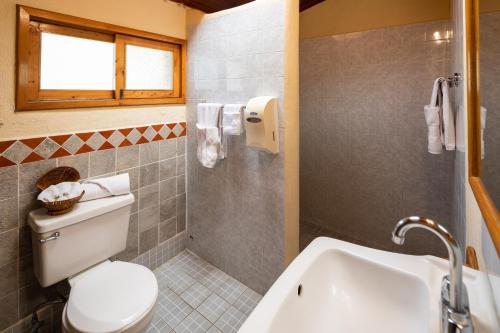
x=454 y=80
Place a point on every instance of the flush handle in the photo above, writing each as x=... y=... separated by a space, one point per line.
x=52 y=237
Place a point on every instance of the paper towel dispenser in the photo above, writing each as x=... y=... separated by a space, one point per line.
x=261 y=123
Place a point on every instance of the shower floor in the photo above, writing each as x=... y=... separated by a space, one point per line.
x=195 y=296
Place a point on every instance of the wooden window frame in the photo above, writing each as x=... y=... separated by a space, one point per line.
x=31 y=22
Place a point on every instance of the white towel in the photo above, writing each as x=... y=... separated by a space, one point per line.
x=61 y=191
x=208 y=145
x=484 y=111
x=433 y=120
x=232 y=124
x=448 y=120
x=209 y=134
x=106 y=187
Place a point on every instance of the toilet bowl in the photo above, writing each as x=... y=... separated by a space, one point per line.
x=106 y=296
x=111 y=297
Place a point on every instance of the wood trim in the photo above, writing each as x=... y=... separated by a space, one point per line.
x=488 y=209
x=31 y=22
x=149 y=94
x=484 y=201
x=471 y=258
x=54 y=94
x=72 y=32
x=46 y=16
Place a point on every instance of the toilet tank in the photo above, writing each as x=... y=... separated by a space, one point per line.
x=68 y=244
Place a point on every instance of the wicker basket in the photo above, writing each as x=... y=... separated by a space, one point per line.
x=61 y=207
x=54 y=177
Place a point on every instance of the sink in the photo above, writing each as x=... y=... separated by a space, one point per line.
x=335 y=286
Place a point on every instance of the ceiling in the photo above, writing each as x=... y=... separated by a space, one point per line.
x=211 y=6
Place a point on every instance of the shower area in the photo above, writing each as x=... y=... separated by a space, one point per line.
x=363 y=146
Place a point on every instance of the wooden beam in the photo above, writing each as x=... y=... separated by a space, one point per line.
x=306 y=4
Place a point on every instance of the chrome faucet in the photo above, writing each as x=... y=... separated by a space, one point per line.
x=455 y=314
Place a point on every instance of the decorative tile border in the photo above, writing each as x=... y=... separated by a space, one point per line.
x=43 y=148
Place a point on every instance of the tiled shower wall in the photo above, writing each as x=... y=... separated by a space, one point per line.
x=236 y=210
x=154 y=157
x=364 y=160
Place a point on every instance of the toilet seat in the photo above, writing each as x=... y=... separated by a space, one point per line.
x=110 y=297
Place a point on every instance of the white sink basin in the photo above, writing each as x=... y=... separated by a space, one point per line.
x=347 y=288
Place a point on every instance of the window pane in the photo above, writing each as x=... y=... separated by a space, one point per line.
x=148 y=69
x=71 y=63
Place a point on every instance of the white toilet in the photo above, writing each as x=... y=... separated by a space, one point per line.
x=105 y=296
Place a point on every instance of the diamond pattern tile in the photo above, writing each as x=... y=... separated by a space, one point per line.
x=14 y=152
x=47 y=148
x=17 y=152
x=134 y=136
x=73 y=144
x=150 y=133
x=116 y=138
x=96 y=141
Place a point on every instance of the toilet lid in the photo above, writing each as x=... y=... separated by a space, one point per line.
x=110 y=297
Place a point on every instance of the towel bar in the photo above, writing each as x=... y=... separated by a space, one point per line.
x=455 y=80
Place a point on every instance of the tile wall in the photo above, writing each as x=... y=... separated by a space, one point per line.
x=153 y=156
x=364 y=160
x=236 y=210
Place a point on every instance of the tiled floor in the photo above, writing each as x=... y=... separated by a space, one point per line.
x=195 y=296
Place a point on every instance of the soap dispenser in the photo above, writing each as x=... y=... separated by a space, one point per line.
x=261 y=124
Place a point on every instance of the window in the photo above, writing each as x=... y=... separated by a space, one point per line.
x=69 y=62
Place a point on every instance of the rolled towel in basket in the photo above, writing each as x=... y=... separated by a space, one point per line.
x=106 y=187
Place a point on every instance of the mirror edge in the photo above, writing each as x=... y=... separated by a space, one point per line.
x=488 y=209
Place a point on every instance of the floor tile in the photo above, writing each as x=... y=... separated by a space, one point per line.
x=230 y=290
x=231 y=320
x=213 y=307
x=195 y=295
x=247 y=301
x=194 y=323
x=172 y=309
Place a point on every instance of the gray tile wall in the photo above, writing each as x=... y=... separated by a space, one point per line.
x=236 y=210
x=159 y=214
x=364 y=160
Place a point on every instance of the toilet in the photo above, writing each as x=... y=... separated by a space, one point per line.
x=105 y=295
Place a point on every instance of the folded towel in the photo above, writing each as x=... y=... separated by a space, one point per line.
x=433 y=120
x=209 y=134
x=61 y=191
x=232 y=123
x=483 y=126
x=106 y=187
x=448 y=127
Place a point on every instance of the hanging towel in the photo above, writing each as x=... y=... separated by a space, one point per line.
x=209 y=134
x=433 y=120
x=106 y=187
x=232 y=124
x=448 y=119
x=483 y=126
